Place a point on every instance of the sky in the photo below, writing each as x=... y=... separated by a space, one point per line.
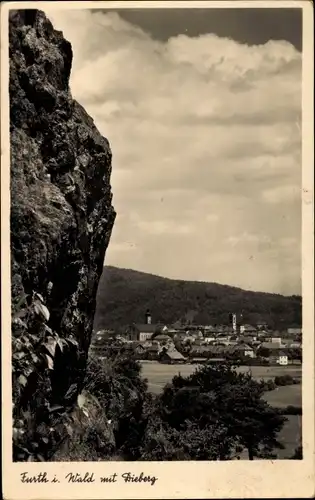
x=203 y=114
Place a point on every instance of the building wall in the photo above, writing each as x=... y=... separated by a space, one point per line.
x=144 y=336
x=295 y=331
x=283 y=360
x=249 y=353
x=207 y=340
x=131 y=334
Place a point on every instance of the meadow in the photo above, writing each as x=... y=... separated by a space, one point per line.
x=290 y=436
x=159 y=374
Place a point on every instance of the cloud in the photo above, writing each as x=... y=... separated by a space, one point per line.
x=282 y=194
x=206 y=143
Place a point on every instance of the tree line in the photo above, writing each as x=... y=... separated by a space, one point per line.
x=124 y=296
x=215 y=413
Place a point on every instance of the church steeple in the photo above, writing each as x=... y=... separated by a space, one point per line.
x=148 y=317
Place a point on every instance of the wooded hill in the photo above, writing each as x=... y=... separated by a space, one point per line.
x=124 y=296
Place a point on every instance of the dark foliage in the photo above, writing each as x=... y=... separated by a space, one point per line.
x=124 y=295
x=292 y=410
x=122 y=393
x=268 y=385
x=214 y=413
x=282 y=380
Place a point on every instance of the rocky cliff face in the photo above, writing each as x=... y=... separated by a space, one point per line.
x=61 y=222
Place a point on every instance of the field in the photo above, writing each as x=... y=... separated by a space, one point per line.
x=285 y=396
x=158 y=375
x=289 y=437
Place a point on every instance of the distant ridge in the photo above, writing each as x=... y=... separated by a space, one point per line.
x=125 y=294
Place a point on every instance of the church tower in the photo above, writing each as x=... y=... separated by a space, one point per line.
x=148 y=318
x=233 y=321
x=234 y=325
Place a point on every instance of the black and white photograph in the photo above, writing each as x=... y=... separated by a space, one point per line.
x=156 y=237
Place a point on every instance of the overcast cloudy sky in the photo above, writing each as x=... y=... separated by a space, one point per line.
x=203 y=116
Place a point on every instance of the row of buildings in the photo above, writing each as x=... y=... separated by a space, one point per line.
x=178 y=344
x=144 y=331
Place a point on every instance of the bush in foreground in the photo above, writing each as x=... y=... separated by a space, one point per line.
x=213 y=414
x=282 y=380
x=292 y=410
x=217 y=406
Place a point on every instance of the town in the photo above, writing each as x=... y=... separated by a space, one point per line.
x=197 y=344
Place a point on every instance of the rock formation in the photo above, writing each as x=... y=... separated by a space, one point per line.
x=61 y=222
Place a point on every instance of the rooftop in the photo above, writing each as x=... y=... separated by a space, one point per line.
x=162 y=336
x=271 y=345
x=145 y=328
x=174 y=354
x=241 y=347
x=280 y=353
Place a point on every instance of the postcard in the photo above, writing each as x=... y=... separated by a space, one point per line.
x=157 y=275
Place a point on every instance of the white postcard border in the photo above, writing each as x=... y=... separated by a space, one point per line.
x=231 y=479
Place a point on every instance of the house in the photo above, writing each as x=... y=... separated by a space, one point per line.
x=277 y=353
x=164 y=329
x=223 y=330
x=207 y=340
x=180 y=336
x=163 y=339
x=272 y=346
x=255 y=343
x=139 y=348
x=296 y=345
x=103 y=337
x=142 y=331
x=208 y=330
x=170 y=331
x=287 y=342
x=105 y=334
x=262 y=335
x=121 y=339
x=146 y=350
x=171 y=356
x=222 y=337
x=276 y=340
x=199 y=342
x=280 y=358
x=153 y=352
x=208 y=351
x=262 y=325
x=245 y=339
x=228 y=343
x=244 y=350
x=188 y=340
x=196 y=334
x=248 y=329
x=101 y=342
x=200 y=352
x=294 y=331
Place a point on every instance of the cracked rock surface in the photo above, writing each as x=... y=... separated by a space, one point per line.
x=61 y=217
